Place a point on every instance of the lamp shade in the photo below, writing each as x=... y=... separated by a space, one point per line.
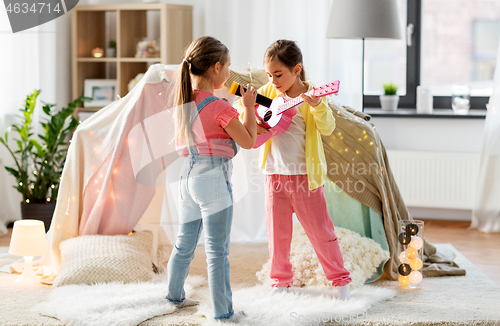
x=28 y=238
x=364 y=19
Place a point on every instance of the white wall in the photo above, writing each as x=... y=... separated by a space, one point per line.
x=432 y=135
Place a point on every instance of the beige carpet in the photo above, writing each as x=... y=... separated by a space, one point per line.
x=466 y=300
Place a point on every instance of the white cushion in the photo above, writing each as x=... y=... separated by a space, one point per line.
x=91 y=259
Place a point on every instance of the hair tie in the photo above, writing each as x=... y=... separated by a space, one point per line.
x=184 y=60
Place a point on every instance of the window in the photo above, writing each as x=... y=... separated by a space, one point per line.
x=452 y=42
x=395 y=61
x=385 y=60
x=486 y=35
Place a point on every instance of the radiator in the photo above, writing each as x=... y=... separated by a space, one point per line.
x=435 y=180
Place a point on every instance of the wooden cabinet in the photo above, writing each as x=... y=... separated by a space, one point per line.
x=93 y=26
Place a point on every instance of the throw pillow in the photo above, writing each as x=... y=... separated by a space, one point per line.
x=257 y=77
x=91 y=259
x=361 y=256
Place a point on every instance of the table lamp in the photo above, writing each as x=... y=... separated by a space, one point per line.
x=364 y=19
x=28 y=240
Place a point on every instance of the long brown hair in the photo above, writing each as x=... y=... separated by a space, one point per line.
x=203 y=53
x=288 y=53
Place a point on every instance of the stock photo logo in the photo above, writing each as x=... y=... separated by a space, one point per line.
x=25 y=14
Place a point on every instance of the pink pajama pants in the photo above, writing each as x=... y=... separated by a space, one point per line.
x=286 y=194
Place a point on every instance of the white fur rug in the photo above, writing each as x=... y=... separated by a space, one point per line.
x=111 y=304
x=130 y=304
x=301 y=306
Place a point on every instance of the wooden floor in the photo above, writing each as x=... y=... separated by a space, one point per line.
x=482 y=249
x=5 y=240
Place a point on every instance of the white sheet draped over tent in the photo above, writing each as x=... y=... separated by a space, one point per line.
x=486 y=212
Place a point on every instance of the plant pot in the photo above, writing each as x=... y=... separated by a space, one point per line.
x=42 y=212
x=110 y=52
x=389 y=102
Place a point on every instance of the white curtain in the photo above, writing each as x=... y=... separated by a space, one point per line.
x=247 y=28
x=486 y=212
x=27 y=62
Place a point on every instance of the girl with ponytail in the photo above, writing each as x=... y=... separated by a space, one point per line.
x=208 y=133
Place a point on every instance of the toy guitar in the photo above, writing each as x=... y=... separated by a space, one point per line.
x=277 y=117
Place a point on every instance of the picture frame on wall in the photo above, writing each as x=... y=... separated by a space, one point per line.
x=101 y=91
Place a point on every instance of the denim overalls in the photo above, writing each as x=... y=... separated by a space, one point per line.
x=206 y=202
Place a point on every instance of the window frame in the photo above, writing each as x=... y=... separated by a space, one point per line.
x=413 y=57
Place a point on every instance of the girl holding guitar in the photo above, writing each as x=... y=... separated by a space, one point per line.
x=295 y=167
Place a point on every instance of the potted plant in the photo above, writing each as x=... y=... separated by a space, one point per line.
x=389 y=101
x=39 y=162
x=111 y=50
